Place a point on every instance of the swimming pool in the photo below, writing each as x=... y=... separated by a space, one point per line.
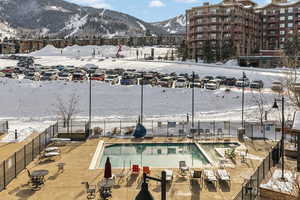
x=153 y=155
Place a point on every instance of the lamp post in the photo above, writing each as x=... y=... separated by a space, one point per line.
x=243 y=98
x=145 y=194
x=90 y=101
x=193 y=98
x=282 y=132
x=142 y=97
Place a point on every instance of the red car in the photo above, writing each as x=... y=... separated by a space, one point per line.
x=98 y=77
x=7 y=70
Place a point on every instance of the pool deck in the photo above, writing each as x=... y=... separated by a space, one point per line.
x=77 y=157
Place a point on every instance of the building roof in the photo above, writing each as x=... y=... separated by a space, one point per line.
x=289 y=3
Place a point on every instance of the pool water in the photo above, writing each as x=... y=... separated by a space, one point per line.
x=153 y=155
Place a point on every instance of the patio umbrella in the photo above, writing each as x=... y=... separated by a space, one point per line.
x=107 y=169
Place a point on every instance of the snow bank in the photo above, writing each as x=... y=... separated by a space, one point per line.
x=276 y=184
x=22 y=135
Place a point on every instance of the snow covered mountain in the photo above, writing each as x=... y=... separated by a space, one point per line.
x=173 y=25
x=61 y=18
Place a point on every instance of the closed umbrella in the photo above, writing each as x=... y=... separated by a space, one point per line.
x=107 y=169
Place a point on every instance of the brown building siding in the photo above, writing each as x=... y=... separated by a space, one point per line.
x=250 y=27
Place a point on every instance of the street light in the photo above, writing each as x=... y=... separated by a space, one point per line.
x=193 y=98
x=145 y=194
x=90 y=101
x=282 y=132
x=243 y=98
x=142 y=97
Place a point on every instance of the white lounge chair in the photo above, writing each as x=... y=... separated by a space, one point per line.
x=169 y=175
x=223 y=175
x=210 y=176
x=183 y=167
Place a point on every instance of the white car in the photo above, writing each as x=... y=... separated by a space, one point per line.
x=277 y=86
x=212 y=85
x=181 y=83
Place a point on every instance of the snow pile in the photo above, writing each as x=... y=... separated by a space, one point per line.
x=100 y=51
x=231 y=63
x=22 y=135
x=276 y=184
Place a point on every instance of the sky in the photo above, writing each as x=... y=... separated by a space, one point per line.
x=147 y=10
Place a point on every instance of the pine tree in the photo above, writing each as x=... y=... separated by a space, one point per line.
x=207 y=52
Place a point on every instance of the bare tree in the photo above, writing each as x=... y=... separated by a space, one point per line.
x=261 y=112
x=66 y=109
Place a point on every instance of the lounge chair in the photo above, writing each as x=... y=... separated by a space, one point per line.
x=135 y=169
x=146 y=170
x=169 y=175
x=90 y=190
x=210 y=176
x=223 y=175
x=183 y=167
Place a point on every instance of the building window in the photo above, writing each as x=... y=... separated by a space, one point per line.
x=199 y=36
x=265 y=12
x=282 y=18
x=199 y=12
x=282 y=25
x=199 y=21
x=213 y=36
x=291 y=31
x=228 y=10
x=290 y=17
x=290 y=25
x=282 y=39
x=282 y=32
x=282 y=10
x=213 y=19
x=213 y=10
x=290 y=9
x=199 y=28
x=214 y=28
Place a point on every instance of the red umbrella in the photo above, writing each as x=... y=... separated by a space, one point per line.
x=107 y=169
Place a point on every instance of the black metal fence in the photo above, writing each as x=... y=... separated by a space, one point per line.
x=69 y=129
x=184 y=128
x=3 y=126
x=12 y=166
x=250 y=189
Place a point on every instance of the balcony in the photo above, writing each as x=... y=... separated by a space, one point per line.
x=272 y=21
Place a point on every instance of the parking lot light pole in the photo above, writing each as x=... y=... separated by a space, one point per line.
x=193 y=98
x=142 y=97
x=243 y=99
x=90 y=102
x=282 y=132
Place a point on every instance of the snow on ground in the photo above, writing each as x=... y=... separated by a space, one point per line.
x=275 y=183
x=21 y=135
x=7 y=63
x=30 y=103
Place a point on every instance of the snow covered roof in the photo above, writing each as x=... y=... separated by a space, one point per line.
x=296 y=123
x=289 y=3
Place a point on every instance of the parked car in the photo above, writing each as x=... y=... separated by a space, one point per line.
x=197 y=84
x=112 y=79
x=98 y=77
x=49 y=76
x=257 y=84
x=276 y=86
x=221 y=79
x=230 y=81
x=128 y=80
x=32 y=75
x=242 y=82
x=79 y=75
x=181 y=82
x=65 y=76
x=166 y=82
x=212 y=85
x=11 y=75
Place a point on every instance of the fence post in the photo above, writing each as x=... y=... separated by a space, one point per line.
x=15 y=164
x=25 y=156
x=32 y=150
x=4 y=175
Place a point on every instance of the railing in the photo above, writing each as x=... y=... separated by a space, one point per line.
x=3 y=127
x=12 y=166
x=184 y=128
x=67 y=128
x=250 y=189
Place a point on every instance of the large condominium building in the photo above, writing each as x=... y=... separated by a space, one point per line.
x=250 y=27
